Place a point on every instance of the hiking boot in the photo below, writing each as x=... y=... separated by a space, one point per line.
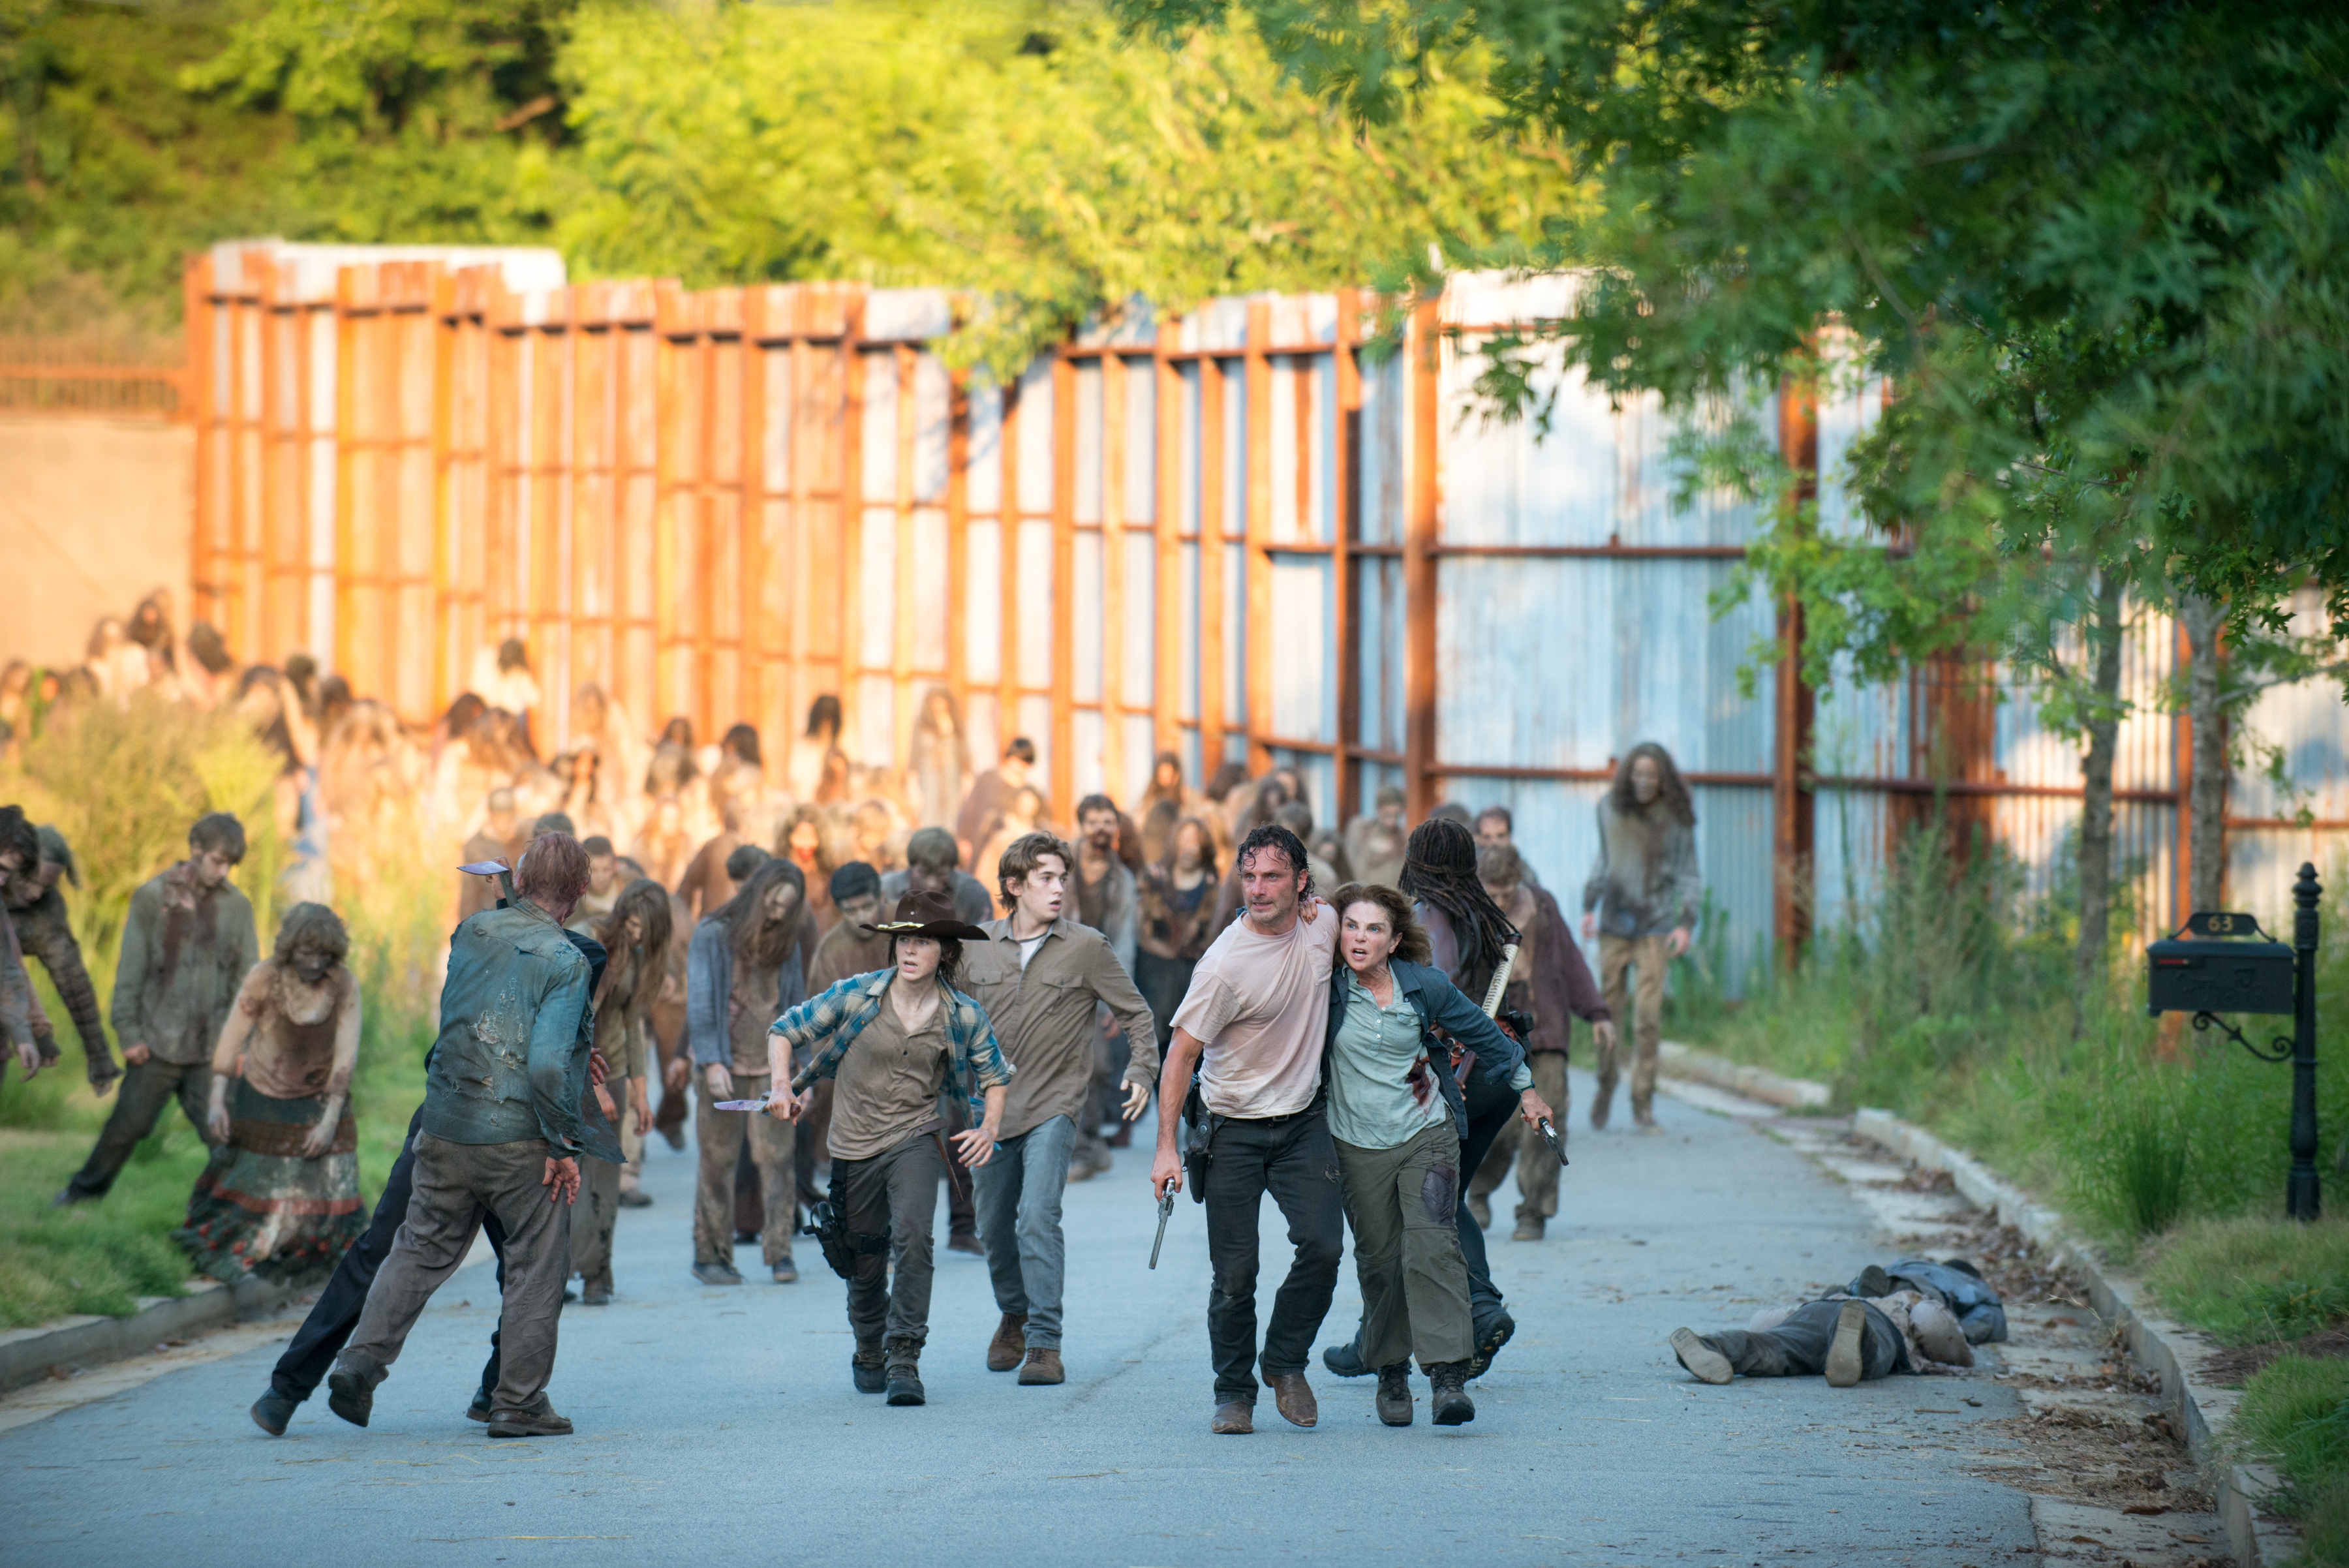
x=479 y=1410
x=1489 y=1340
x=967 y=1241
x=905 y=1372
x=1346 y=1360
x=271 y=1411
x=1600 y=1102
x=1448 y=1402
x=1844 y=1366
x=1233 y=1419
x=1480 y=1210
x=717 y=1274
x=1392 y=1401
x=786 y=1272
x=1704 y=1363
x=1043 y=1365
x=596 y=1292
x=1008 y=1347
x=864 y=1369
x=1293 y=1400
x=349 y=1396
x=636 y=1198
x=1529 y=1229
x=1873 y=1282
x=542 y=1422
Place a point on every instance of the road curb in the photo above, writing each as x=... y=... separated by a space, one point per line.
x=1677 y=1061
x=86 y=1340
x=2175 y=1352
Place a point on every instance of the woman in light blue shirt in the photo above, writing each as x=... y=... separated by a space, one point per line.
x=1398 y=1117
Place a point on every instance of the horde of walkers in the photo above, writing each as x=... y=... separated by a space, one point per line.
x=863 y=986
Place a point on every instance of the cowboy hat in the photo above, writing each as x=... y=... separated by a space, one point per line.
x=926 y=915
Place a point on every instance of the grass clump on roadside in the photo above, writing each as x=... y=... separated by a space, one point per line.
x=2253 y=1281
x=2294 y=1415
x=93 y=1257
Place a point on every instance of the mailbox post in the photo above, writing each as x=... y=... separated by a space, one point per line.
x=2213 y=975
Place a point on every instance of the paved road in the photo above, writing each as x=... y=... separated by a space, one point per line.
x=719 y=1425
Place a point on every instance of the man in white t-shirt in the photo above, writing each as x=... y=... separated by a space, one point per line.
x=1254 y=1023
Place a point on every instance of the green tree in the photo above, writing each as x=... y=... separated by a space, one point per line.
x=2096 y=247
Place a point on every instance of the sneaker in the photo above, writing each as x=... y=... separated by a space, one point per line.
x=1704 y=1363
x=1233 y=1418
x=1529 y=1229
x=1448 y=1402
x=1392 y=1400
x=350 y=1397
x=66 y=1197
x=1042 y=1366
x=717 y=1274
x=1844 y=1366
x=1009 y=1348
x=864 y=1369
x=1489 y=1340
x=271 y=1411
x=636 y=1198
x=539 y=1423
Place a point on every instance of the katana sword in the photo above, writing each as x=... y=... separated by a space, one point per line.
x=1500 y=980
x=1166 y=1209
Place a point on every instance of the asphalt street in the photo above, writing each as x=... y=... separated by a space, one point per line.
x=718 y=1425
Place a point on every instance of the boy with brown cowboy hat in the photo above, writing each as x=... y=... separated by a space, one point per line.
x=910 y=1027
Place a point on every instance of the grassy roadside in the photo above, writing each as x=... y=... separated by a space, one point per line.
x=1949 y=1000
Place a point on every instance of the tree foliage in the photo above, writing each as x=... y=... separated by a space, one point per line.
x=1022 y=150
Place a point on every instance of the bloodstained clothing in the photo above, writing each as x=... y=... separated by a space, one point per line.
x=186 y=949
x=38 y=911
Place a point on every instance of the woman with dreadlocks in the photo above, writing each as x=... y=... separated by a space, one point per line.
x=1466 y=933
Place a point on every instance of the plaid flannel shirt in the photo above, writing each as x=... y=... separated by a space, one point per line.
x=838 y=1015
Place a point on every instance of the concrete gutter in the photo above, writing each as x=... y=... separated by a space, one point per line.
x=86 y=1340
x=2200 y=1409
x=1678 y=1061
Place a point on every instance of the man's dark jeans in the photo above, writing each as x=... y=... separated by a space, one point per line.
x=1293 y=1158
x=147 y=1091
x=328 y=1327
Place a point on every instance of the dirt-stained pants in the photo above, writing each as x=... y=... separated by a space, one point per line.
x=1648 y=956
x=722 y=1134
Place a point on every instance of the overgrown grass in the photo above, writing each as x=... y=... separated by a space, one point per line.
x=124 y=786
x=2294 y=1415
x=2253 y=1281
x=93 y=1257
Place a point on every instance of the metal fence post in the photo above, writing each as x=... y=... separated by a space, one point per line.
x=2302 y=1197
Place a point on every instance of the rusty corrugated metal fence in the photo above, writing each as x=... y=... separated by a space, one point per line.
x=1232 y=534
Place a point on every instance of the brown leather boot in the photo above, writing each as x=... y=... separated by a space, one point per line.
x=1009 y=1346
x=1294 y=1399
x=1042 y=1366
x=1234 y=1417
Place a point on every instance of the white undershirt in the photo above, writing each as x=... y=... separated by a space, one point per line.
x=1028 y=946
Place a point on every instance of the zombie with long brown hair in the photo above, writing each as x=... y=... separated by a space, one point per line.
x=280 y=1196
x=635 y=938
x=1640 y=902
x=747 y=965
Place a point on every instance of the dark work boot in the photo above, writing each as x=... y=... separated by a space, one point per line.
x=1346 y=1360
x=1873 y=1282
x=1448 y=1404
x=1393 y=1399
x=904 y=1371
x=864 y=1369
x=1490 y=1336
x=271 y=1411
x=349 y=1396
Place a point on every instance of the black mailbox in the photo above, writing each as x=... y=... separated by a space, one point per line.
x=2218 y=976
